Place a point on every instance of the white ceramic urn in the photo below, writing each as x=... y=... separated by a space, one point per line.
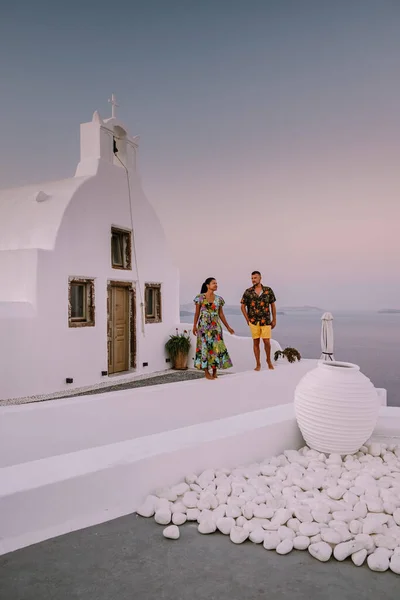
x=336 y=407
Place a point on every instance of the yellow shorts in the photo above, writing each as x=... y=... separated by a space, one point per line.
x=260 y=331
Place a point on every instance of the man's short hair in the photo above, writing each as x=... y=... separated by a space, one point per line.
x=256 y=273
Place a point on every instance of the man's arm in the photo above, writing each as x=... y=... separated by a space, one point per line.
x=273 y=308
x=244 y=311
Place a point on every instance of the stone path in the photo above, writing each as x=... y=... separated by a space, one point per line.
x=168 y=377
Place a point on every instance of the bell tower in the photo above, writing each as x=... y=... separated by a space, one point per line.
x=106 y=142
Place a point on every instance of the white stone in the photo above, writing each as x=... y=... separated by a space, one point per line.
x=359 y=557
x=180 y=488
x=374 y=449
x=343 y=515
x=334 y=459
x=374 y=505
x=315 y=538
x=345 y=549
x=385 y=541
x=248 y=511
x=355 y=527
x=191 y=478
x=271 y=540
x=281 y=516
x=190 y=499
x=171 y=532
x=322 y=551
x=167 y=493
x=262 y=511
x=286 y=533
x=396 y=516
x=238 y=535
x=304 y=515
x=148 y=508
x=163 y=517
x=178 y=507
x=225 y=524
x=395 y=564
x=233 y=511
x=257 y=535
x=301 y=542
x=331 y=536
x=219 y=512
x=371 y=526
x=192 y=514
x=336 y=492
x=360 y=509
x=366 y=540
x=377 y=561
x=179 y=518
x=321 y=517
x=294 y=524
x=207 y=526
x=309 y=529
x=206 y=477
x=285 y=546
x=356 y=490
x=205 y=515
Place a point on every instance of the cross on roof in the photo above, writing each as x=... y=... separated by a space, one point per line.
x=113 y=102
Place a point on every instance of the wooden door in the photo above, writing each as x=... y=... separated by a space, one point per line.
x=118 y=329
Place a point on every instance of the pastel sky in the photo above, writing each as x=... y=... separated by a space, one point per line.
x=270 y=130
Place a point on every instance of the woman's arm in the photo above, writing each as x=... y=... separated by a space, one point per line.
x=196 y=319
x=225 y=322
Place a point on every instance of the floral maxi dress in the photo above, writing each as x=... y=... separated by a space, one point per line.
x=210 y=350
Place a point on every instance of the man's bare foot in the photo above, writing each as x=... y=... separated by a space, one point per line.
x=270 y=366
x=207 y=374
x=258 y=368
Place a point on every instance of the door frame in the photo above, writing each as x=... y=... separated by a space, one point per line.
x=132 y=343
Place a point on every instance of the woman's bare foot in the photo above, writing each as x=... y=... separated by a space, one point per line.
x=258 y=368
x=207 y=374
x=270 y=366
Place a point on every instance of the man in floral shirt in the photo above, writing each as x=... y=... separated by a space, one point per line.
x=258 y=302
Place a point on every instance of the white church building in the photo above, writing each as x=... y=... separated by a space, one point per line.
x=88 y=291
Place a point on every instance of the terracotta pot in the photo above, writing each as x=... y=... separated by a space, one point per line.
x=180 y=361
x=336 y=407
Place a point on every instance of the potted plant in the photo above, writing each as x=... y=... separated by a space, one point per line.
x=178 y=347
x=291 y=354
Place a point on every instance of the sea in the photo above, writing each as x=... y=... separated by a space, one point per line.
x=368 y=339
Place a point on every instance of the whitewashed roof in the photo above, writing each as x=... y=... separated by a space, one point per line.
x=30 y=216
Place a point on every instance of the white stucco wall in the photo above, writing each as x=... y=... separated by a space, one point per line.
x=70 y=237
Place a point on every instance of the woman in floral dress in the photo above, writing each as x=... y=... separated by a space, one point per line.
x=211 y=351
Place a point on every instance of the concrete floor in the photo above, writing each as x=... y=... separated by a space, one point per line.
x=128 y=559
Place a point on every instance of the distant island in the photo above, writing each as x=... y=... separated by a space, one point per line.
x=229 y=309
x=389 y=311
x=303 y=309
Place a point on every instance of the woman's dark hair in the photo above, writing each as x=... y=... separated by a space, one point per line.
x=205 y=284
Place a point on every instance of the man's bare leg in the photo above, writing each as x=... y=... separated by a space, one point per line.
x=256 y=348
x=267 y=346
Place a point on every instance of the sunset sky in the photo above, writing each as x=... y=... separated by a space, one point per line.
x=270 y=131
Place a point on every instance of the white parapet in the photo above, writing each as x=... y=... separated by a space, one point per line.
x=69 y=464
